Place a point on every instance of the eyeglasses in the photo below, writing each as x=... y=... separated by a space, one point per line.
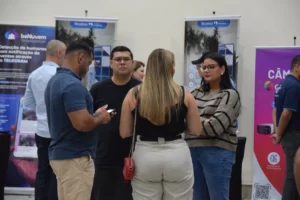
x=209 y=67
x=125 y=59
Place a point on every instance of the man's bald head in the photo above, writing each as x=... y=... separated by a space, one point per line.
x=53 y=46
x=55 y=51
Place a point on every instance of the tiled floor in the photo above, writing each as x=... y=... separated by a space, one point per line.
x=14 y=197
x=246 y=195
x=18 y=197
x=31 y=198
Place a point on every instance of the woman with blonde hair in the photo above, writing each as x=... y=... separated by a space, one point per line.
x=163 y=165
x=138 y=70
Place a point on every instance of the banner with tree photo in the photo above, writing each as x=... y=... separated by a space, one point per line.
x=210 y=34
x=98 y=33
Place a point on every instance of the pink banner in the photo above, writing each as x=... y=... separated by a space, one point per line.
x=272 y=66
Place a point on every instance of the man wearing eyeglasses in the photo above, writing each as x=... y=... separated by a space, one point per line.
x=111 y=148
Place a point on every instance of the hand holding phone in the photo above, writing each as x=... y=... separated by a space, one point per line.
x=104 y=115
x=112 y=112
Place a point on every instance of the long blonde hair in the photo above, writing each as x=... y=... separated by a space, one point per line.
x=159 y=92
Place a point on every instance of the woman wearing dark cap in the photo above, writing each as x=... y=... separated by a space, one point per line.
x=213 y=153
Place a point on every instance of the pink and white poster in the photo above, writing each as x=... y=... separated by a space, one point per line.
x=272 y=66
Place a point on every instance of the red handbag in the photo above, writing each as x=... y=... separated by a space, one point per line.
x=128 y=169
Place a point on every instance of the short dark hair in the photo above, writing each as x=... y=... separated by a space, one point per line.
x=89 y=41
x=225 y=82
x=295 y=61
x=120 y=49
x=79 y=45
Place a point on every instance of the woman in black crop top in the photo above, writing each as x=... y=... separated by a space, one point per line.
x=163 y=165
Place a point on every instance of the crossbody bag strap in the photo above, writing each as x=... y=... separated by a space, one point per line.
x=134 y=122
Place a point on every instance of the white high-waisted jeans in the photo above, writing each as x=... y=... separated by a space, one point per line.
x=163 y=171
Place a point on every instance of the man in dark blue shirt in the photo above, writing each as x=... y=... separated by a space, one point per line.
x=286 y=117
x=71 y=122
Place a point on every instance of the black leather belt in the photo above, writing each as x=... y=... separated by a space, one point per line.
x=155 y=139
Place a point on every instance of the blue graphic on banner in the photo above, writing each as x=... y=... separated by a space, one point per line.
x=11 y=35
x=227 y=51
x=8 y=110
x=22 y=50
x=88 y=24
x=102 y=57
x=213 y=23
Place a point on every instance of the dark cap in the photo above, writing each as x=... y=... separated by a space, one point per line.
x=201 y=59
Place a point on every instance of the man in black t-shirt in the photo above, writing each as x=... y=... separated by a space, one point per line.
x=111 y=148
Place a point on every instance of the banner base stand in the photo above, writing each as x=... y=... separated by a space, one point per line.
x=18 y=190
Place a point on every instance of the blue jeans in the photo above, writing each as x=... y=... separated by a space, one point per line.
x=212 y=171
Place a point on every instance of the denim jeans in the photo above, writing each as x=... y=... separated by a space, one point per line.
x=45 y=185
x=212 y=171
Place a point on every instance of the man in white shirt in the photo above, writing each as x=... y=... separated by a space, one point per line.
x=46 y=185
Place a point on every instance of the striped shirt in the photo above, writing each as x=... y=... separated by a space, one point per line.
x=221 y=109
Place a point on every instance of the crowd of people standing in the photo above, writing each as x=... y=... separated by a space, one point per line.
x=185 y=141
